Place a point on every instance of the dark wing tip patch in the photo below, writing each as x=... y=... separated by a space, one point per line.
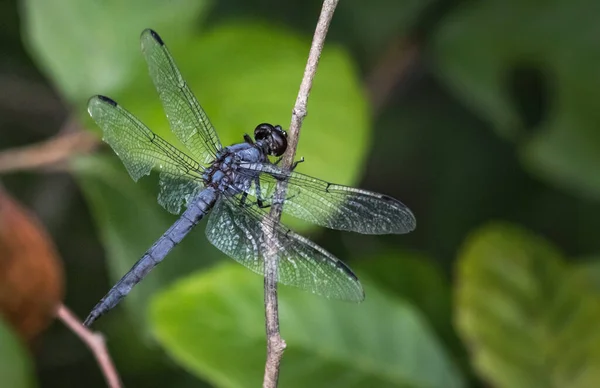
x=390 y=199
x=341 y=265
x=411 y=223
x=156 y=37
x=107 y=100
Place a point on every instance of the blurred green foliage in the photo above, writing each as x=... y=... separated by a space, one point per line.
x=213 y=324
x=86 y=46
x=15 y=367
x=490 y=51
x=530 y=320
x=496 y=120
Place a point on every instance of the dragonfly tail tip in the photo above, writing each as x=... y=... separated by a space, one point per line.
x=89 y=320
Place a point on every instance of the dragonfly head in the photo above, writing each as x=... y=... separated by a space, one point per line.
x=273 y=138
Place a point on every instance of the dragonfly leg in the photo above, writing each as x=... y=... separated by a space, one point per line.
x=243 y=199
x=263 y=205
x=296 y=163
x=259 y=199
x=260 y=202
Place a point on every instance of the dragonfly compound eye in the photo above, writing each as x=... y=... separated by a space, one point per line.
x=278 y=142
x=273 y=136
x=262 y=131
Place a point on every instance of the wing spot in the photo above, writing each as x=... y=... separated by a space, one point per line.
x=157 y=37
x=107 y=100
x=340 y=264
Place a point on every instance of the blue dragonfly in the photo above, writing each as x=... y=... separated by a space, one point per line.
x=236 y=184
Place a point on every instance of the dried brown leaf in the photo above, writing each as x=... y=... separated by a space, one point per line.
x=31 y=274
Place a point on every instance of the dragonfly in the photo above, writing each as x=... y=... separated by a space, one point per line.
x=237 y=186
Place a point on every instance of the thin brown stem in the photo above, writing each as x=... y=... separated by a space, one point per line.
x=391 y=69
x=95 y=342
x=299 y=111
x=276 y=344
x=50 y=153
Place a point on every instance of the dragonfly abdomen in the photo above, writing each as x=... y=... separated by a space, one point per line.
x=153 y=256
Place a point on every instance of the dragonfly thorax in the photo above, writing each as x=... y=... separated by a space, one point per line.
x=218 y=174
x=221 y=174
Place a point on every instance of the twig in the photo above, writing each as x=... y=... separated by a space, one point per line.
x=393 y=67
x=29 y=99
x=95 y=342
x=299 y=111
x=49 y=153
x=275 y=344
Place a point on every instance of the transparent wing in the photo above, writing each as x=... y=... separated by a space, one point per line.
x=187 y=118
x=141 y=150
x=244 y=233
x=330 y=205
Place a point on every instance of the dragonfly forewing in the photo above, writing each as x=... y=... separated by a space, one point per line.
x=141 y=151
x=330 y=205
x=188 y=120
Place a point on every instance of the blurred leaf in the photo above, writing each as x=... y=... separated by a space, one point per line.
x=31 y=274
x=88 y=46
x=590 y=269
x=412 y=277
x=531 y=64
x=16 y=370
x=528 y=320
x=416 y=279
x=213 y=324
x=129 y=220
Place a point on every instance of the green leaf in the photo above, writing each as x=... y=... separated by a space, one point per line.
x=213 y=324
x=481 y=45
x=89 y=47
x=129 y=220
x=414 y=278
x=589 y=268
x=528 y=319
x=16 y=370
